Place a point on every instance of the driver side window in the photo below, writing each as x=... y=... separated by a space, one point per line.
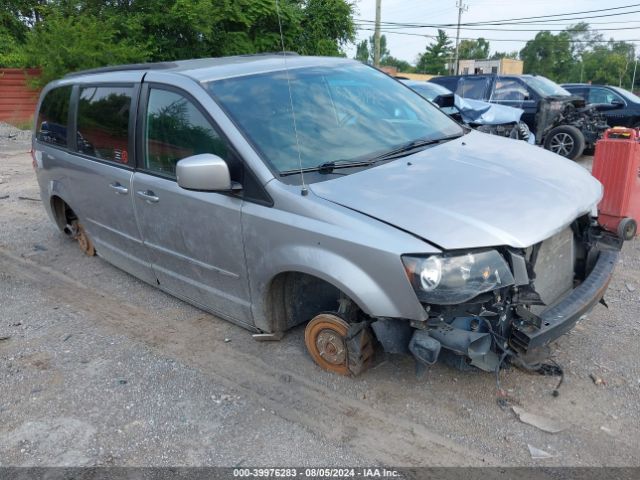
x=176 y=129
x=602 y=96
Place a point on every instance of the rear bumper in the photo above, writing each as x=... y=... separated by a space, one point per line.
x=562 y=317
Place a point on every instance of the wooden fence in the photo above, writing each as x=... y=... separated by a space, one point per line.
x=17 y=98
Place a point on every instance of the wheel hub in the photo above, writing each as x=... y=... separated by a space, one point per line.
x=331 y=347
x=562 y=144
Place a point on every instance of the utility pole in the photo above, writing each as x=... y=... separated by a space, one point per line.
x=461 y=8
x=376 y=37
x=633 y=81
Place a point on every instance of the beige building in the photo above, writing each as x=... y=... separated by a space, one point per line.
x=504 y=66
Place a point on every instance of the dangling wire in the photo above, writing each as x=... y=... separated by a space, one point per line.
x=304 y=190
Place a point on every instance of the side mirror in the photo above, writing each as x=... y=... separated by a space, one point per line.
x=617 y=103
x=445 y=100
x=205 y=172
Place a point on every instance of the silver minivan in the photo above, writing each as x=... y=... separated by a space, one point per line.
x=279 y=190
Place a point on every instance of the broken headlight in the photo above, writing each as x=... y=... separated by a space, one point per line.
x=449 y=280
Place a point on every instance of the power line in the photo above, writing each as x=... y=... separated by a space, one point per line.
x=509 y=29
x=505 y=39
x=506 y=21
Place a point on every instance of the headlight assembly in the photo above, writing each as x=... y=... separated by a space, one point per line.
x=449 y=280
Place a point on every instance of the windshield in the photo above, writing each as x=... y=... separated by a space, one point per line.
x=627 y=94
x=343 y=114
x=544 y=86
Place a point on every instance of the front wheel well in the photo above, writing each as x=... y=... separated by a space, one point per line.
x=294 y=298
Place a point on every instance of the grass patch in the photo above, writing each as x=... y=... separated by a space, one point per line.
x=21 y=124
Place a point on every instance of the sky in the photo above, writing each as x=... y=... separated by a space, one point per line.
x=406 y=47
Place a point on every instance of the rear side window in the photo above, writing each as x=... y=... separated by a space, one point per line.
x=175 y=129
x=51 y=126
x=103 y=122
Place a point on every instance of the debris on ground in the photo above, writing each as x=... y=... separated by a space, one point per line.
x=630 y=287
x=606 y=430
x=227 y=340
x=4 y=197
x=31 y=199
x=597 y=380
x=537 y=453
x=543 y=423
x=4 y=338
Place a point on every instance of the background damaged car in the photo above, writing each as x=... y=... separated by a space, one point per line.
x=483 y=116
x=320 y=192
x=561 y=121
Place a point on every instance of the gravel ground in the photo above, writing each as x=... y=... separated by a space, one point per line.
x=102 y=369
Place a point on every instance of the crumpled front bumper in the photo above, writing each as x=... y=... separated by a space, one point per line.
x=562 y=317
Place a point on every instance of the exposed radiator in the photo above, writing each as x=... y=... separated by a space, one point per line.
x=555 y=268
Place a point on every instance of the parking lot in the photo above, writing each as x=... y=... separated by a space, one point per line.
x=98 y=368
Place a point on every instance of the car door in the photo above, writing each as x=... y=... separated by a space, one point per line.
x=194 y=238
x=101 y=176
x=611 y=105
x=512 y=92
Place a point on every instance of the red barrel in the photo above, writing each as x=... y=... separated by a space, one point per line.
x=617 y=165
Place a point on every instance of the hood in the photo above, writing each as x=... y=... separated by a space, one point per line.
x=476 y=191
x=484 y=113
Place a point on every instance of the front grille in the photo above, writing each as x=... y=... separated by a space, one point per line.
x=554 y=269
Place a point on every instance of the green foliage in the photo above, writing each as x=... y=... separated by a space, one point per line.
x=473 y=49
x=64 y=35
x=401 y=65
x=437 y=54
x=579 y=54
x=549 y=55
x=365 y=50
x=67 y=43
x=498 y=55
x=362 y=52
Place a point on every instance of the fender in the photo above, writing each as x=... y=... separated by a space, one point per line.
x=396 y=299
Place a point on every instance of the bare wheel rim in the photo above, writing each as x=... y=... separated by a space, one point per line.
x=562 y=144
x=325 y=338
x=84 y=241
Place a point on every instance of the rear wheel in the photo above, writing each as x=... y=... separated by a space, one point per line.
x=85 y=243
x=565 y=140
x=338 y=347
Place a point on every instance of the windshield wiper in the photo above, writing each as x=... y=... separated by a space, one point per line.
x=328 y=167
x=409 y=147
x=400 y=151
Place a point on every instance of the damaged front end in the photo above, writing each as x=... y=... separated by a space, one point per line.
x=485 y=306
x=561 y=110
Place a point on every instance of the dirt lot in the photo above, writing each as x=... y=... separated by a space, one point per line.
x=102 y=369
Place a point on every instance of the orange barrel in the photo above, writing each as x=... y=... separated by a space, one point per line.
x=617 y=165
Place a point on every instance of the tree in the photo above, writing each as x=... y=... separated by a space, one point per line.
x=499 y=55
x=362 y=51
x=400 y=65
x=64 y=35
x=66 y=43
x=611 y=63
x=549 y=55
x=434 y=59
x=365 y=50
x=473 y=49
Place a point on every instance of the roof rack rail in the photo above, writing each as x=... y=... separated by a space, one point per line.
x=122 y=68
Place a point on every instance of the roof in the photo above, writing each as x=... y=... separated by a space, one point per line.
x=207 y=69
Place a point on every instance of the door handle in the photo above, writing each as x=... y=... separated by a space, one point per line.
x=148 y=196
x=119 y=189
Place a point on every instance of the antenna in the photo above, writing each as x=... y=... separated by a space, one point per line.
x=305 y=191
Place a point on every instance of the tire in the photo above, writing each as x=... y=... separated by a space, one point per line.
x=566 y=141
x=627 y=229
